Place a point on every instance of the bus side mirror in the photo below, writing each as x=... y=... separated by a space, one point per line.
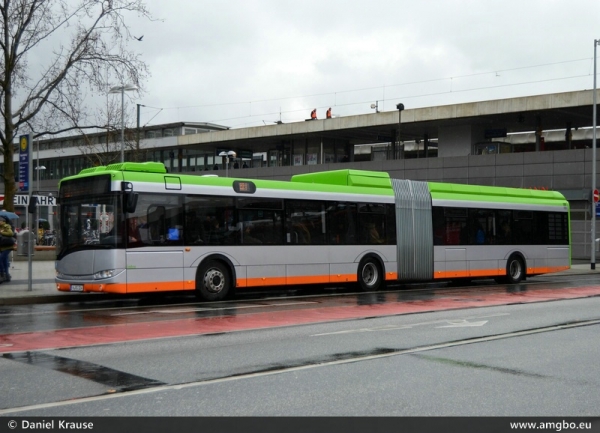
x=129 y=201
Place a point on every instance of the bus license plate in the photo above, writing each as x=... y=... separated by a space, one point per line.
x=76 y=287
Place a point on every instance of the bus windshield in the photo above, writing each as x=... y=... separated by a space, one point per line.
x=88 y=223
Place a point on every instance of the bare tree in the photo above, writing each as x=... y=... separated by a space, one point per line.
x=82 y=43
x=105 y=148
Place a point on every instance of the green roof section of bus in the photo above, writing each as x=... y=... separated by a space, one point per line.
x=360 y=181
x=363 y=178
x=451 y=191
x=342 y=181
x=145 y=167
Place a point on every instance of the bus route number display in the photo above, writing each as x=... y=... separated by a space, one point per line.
x=244 y=187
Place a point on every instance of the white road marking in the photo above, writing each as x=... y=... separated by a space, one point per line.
x=452 y=323
x=462 y=324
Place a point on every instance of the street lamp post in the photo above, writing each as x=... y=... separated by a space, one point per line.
x=38 y=167
x=400 y=108
x=593 y=230
x=232 y=154
x=122 y=89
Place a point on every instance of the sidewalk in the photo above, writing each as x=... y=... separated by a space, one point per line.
x=43 y=289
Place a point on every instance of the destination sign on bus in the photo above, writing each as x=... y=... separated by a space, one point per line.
x=84 y=187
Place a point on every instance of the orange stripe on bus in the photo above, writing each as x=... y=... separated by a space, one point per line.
x=164 y=286
x=305 y=279
x=547 y=269
x=479 y=273
x=494 y=272
x=103 y=288
x=283 y=281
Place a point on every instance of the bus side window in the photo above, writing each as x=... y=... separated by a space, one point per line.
x=390 y=224
x=342 y=223
x=193 y=234
x=439 y=225
x=305 y=222
x=371 y=223
x=260 y=227
x=156 y=224
x=503 y=228
x=523 y=227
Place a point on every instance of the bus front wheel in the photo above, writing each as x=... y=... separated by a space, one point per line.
x=370 y=274
x=515 y=270
x=213 y=281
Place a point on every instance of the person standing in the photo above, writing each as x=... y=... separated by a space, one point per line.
x=313 y=114
x=6 y=246
x=328 y=114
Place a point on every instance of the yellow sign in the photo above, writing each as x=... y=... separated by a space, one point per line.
x=23 y=143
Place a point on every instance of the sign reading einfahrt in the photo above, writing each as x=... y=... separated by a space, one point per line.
x=42 y=200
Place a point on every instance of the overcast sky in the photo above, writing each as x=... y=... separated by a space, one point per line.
x=244 y=63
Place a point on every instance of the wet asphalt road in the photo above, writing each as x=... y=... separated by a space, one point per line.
x=531 y=358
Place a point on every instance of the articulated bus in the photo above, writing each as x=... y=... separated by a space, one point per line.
x=134 y=228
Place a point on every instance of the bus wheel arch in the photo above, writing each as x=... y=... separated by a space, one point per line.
x=215 y=278
x=516 y=268
x=371 y=273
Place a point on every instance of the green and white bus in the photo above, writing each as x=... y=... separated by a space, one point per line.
x=134 y=228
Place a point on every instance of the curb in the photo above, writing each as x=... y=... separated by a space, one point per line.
x=50 y=299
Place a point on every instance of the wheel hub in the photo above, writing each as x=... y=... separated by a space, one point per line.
x=370 y=274
x=214 y=280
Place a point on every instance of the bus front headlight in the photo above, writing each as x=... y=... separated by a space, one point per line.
x=108 y=273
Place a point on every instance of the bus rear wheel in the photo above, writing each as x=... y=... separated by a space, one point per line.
x=370 y=274
x=515 y=270
x=213 y=281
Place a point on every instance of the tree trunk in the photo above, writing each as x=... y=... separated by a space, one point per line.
x=9 y=175
x=8 y=147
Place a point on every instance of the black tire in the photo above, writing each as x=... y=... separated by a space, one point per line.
x=515 y=270
x=213 y=281
x=370 y=274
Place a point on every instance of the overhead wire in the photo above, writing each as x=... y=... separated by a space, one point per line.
x=386 y=87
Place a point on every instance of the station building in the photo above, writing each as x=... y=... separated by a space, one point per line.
x=538 y=142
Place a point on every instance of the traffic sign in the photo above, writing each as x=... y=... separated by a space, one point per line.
x=24 y=160
x=596 y=196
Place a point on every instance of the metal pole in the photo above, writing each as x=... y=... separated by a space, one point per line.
x=122 y=89
x=400 y=148
x=32 y=228
x=137 y=146
x=593 y=244
x=38 y=166
x=122 y=124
